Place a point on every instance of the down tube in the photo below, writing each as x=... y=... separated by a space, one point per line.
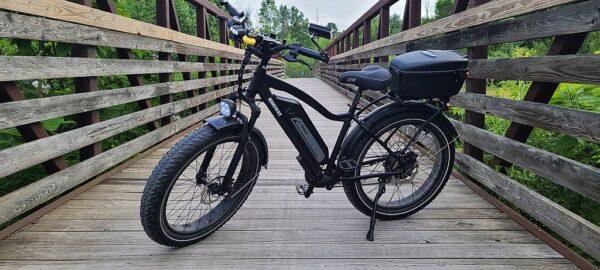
x=300 y=130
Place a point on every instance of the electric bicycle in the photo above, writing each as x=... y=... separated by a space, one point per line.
x=393 y=162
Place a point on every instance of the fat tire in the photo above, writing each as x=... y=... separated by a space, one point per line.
x=165 y=173
x=350 y=188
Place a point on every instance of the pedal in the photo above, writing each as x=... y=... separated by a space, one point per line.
x=304 y=190
x=346 y=167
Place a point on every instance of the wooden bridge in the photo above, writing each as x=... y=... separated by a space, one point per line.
x=85 y=215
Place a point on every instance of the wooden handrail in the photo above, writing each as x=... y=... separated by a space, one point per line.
x=85 y=27
x=71 y=12
x=498 y=22
x=492 y=11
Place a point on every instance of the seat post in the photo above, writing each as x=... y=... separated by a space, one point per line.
x=356 y=100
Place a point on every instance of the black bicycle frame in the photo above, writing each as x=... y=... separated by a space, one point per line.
x=283 y=109
x=280 y=108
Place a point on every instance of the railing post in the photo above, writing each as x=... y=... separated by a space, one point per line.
x=30 y=132
x=225 y=40
x=348 y=42
x=174 y=24
x=134 y=79
x=412 y=14
x=163 y=19
x=384 y=27
x=202 y=31
x=84 y=85
x=366 y=37
x=542 y=92
x=477 y=86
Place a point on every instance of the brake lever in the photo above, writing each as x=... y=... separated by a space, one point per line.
x=292 y=59
x=301 y=61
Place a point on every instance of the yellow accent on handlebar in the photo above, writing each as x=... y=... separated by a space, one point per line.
x=249 y=41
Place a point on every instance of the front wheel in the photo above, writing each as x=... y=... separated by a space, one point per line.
x=182 y=202
x=424 y=170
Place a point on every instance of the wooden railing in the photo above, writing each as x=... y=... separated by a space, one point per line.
x=85 y=27
x=495 y=22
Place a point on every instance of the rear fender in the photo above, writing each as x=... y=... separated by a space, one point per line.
x=221 y=123
x=391 y=110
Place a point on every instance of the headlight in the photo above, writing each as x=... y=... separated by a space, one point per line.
x=227 y=108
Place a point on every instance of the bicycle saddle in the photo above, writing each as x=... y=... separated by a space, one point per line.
x=372 y=77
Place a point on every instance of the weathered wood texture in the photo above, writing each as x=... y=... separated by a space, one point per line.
x=40 y=28
x=577 y=123
x=71 y=12
x=33 y=131
x=563 y=68
x=567 y=19
x=492 y=11
x=86 y=28
x=574 y=228
x=33 y=110
x=583 y=179
x=19 y=157
x=14 y=68
x=22 y=200
x=500 y=22
x=277 y=228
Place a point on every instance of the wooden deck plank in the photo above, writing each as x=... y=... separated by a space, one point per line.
x=342 y=236
x=191 y=262
x=359 y=225
x=83 y=251
x=287 y=213
x=276 y=228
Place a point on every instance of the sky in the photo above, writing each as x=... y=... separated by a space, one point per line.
x=342 y=12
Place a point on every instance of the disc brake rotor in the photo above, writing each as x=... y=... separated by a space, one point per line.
x=209 y=194
x=406 y=167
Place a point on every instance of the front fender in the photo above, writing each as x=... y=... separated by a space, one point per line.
x=221 y=123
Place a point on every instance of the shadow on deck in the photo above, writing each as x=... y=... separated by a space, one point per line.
x=276 y=228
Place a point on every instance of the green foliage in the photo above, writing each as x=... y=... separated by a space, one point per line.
x=334 y=29
x=579 y=96
x=443 y=8
x=268 y=17
x=586 y=97
x=289 y=24
x=395 y=24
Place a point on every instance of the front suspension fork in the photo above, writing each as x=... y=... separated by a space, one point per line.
x=247 y=125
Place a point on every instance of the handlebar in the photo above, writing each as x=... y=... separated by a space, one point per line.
x=309 y=53
x=241 y=33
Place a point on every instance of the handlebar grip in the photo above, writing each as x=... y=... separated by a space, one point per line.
x=310 y=53
x=249 y=41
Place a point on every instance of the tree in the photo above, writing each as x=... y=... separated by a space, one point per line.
x=334 y=30
x=267 y=16
x=395 y=23
x=284 y=20
x=443 y=8
x=298 y=27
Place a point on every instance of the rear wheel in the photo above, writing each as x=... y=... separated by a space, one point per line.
x=424 y=170
x=182 y=202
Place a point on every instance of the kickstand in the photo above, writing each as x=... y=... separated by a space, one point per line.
x=370 y=234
